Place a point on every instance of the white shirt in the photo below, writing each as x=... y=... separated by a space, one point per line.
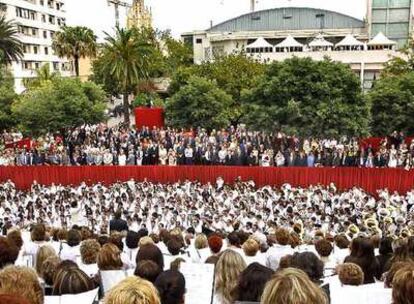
x=275 y=253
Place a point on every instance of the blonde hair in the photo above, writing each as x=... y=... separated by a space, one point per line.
x=89 y=250
x=250 y=247
x=133 y=290
x=42 y=255
x=201 y=241
x=228 y=269
x=21 y=281
x=292 y=286
x=146 y=240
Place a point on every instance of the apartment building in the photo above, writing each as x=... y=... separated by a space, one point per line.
x=37 y=22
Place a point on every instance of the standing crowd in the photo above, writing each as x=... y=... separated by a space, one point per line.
x=128 y=241
x=101 y=145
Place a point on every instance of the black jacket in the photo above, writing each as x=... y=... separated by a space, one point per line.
x=118 y=225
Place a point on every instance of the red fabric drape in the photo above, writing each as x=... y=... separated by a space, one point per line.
x=369 y=179
x=149 y=117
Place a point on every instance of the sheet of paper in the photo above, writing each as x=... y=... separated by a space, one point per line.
x=199 y=281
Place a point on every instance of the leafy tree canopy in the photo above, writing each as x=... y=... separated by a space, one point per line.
x=199 y=103
x=59 y=104
x=310 y=98
x=7 y=96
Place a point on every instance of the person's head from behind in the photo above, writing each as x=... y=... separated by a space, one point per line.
x=228 y=269
x=395 y=267
x=74 y=238
x=133 y=290
x=309 y=263
x=132 y=239
x=324 y=248
x=174 y=246
x=366 y=249
x=292 y=286
x=403 y=285
x=147 y=270
x=118 y=214
x=385 y=247
x=150 y=252
x=251 y=283
x=171 y=287
x=109 y=258
x=89 y=251
x=355 y=246
x=282 y=236
x=72 y=281
x=21 y=281
x=38 y=233
x=43 y=253
x=251 y=247
x=341 y=241
x=8 y=252
x=215 y=243
x=15 y=237
x=201 y=241
x=350 y=274
x=49 y=269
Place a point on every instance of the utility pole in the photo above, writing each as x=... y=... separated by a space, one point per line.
x=117 y=4
x=252 y=5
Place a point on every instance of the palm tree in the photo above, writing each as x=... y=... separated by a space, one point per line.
x=126 y=58
x=75 y=42
x=11 y=48
x=43 y=74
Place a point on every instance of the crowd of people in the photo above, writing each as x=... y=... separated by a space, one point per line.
x=101 y=145
x=270 y=245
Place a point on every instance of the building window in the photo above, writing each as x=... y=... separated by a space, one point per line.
x=44 y=18
x=42 y=2
x=199 y=40
x=46 y=50
x=51 y=19
x=35 y=50
x=45 y=34
x=37 y=65
x=55 y=66
x=25 y=48
x=3 y=7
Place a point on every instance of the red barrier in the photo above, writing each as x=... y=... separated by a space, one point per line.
x=149 y=117
x=369 y=179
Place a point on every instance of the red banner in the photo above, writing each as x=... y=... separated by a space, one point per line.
x=345 y=178
x=149 y=117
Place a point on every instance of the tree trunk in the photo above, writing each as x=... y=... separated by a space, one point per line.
x=126 y=108
x=77 y=66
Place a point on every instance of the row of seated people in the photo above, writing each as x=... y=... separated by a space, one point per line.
x=134 y=267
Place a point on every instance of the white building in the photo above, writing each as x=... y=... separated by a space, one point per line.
x=281 y=33
x=37 y=21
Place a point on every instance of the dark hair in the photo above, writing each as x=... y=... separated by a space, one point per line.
x=38 y=233
x=355 y=244
x=309 y=263
x=174 y=246
x=132 y=239
x=341 y=241
x=323 y=247
x=103 y=239
x=385 y=246
x=366 y=260
x=150 y=252
x=8 y=252
x=171 y=287
x=116 y=239
x=72 y=281
x=118 y=214
x=251 y=283
x=147 y=270
x=74 y=238
x=234 y=239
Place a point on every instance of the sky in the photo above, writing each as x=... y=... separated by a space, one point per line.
x=187 y=15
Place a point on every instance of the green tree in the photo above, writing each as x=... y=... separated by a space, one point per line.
x=177 y=53
x=399 y=65
x=199 y=103
x=233 y=73
x=75 y=43
x=59 y=104
x=7 y=96
x=11 y=48
x=320 y=98
x=43 y=74
x=392 y=100
x=126 y=58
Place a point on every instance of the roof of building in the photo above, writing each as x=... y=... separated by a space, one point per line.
x=259 y=43
x=320 y=41
x=289 y=42
x=288 y=18
x=381 y=39
x=349 y=40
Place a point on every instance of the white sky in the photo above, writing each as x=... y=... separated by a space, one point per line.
x=188 y=15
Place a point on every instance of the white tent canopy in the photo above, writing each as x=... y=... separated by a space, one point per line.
x=259 y=43
x=289 y=42
x=349 y=40
x=320 y=41
x=381 y=39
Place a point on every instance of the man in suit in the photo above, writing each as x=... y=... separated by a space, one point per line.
x=118 y=224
